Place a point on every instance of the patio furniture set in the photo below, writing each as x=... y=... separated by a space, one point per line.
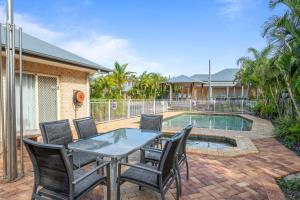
x=65 y=168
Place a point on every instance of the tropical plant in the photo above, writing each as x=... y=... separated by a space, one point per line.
x=111 y=86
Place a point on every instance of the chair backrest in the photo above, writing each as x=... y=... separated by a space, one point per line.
x=56 y=132
x=85 y=127
x=186 y=132
x=52 y=168
x=169 y=156
x=151 y=122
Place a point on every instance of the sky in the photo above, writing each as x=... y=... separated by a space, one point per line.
x=171 y=37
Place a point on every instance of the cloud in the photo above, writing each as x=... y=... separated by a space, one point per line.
x=102 y=49
x=232 y=8
x=30 y=25
x=105 y=49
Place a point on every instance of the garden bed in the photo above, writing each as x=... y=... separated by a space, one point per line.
x=290 y=185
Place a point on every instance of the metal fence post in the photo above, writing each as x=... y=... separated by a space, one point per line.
x=109 y=111
x=128 y=108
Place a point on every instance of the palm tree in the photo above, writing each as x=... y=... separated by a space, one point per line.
x=252 y=68
x=284 y=32
x=120 y=76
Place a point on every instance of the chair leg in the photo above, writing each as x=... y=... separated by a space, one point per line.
x=162 y=194
x=179 y=181
x=187 y=169
x=177 y=187
x=118 y=190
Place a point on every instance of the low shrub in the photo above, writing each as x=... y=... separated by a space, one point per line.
x=291 y=188
x=288 y=129
x=267 y=111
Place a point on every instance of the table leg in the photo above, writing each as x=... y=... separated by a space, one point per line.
x=113 y=177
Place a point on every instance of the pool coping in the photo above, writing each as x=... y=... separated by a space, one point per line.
x=260 y=129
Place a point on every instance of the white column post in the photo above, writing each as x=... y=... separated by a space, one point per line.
x=109 y=109
x=190 y=105
x=234 y=92
x=227 y=92
x=171 y=93
x=154 y=106
x=143 y=106
x=242 y=91
x=214 y=105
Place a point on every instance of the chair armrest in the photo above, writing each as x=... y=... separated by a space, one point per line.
x=141 y=167
x=151 y=149
x=105 y=164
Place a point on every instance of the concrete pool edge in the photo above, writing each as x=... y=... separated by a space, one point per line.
x=261 y=128
x=244 y=146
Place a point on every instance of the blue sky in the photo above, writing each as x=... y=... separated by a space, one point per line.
x=168 y=36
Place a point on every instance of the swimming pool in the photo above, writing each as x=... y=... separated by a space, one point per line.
x=225 y=122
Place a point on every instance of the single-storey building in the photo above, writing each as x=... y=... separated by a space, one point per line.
x=51 y=75
x=223 y=85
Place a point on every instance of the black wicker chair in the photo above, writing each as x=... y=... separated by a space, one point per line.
x=154 y=123
x=85 y=127
x=59 y=132
x=158 y=178
x=153 y=155
x=54 y=176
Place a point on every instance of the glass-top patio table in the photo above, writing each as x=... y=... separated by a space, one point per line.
x=116 y=145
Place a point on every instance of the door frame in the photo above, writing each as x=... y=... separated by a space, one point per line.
x=36 y=75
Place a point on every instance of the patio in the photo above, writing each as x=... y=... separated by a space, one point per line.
x=212 y=177
x=251 y=176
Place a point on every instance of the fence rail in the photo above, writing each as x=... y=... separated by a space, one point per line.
x=106 y=111
x=220 y=106
x=110 y=110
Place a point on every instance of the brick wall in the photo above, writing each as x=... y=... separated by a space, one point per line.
x=68 y=81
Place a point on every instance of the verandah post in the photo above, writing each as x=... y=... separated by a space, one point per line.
x=109 y=107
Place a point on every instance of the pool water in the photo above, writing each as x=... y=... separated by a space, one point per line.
x=212 y=142
x=225 y=122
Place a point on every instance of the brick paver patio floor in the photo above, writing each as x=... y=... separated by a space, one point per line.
x=211 y=177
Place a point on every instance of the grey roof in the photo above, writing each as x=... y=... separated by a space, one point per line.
x=227 y=75
x=40 y=48
x=183 y=79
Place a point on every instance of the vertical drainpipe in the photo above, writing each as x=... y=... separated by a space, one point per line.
x=10 y=119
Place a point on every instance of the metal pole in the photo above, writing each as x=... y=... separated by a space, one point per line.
x=21 y=100
x=2 y=122
x=10 y=124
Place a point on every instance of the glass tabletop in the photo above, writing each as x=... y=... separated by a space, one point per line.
x=116 y=143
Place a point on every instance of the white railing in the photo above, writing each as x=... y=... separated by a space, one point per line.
x=215 y=105
x=110 y=110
